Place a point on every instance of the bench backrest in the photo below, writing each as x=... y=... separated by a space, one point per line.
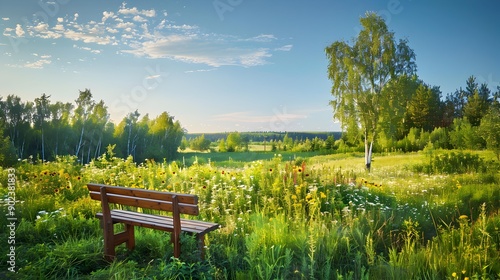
x=149 y=199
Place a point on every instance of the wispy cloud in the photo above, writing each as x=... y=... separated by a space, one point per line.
x=145 y=33
x=87 y=49
x=200 y=70
x=285 y=48
x=205 y=49
x=39 y=62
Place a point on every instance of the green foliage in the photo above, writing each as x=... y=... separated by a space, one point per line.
x=490 y=129
x=422 y=110
x=459 y=162
x=200 y=143
x=7 y=152
x=465 y=136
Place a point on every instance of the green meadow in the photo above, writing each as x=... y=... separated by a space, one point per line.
x=426 y=215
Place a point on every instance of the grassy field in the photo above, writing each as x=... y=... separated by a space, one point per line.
x=283 y=216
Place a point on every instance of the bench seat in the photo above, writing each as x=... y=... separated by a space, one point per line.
x=164 y=223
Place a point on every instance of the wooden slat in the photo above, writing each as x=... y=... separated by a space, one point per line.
x=159 y=222
x=155 y=204
x=158 y=195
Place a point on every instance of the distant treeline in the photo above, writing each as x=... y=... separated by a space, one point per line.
x=258 y=136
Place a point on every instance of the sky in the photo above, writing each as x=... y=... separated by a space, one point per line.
x=228 y=65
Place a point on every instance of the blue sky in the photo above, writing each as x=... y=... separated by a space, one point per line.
x=228 y=65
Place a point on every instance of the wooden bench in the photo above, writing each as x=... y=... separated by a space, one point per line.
x=175 y=203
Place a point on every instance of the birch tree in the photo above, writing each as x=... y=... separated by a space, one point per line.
x=360 y=73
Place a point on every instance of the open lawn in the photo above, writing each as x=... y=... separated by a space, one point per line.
x=283 y=216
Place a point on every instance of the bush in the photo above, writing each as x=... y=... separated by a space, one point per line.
x=453 y=163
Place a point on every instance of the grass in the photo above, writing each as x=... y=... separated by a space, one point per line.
x=284 y=216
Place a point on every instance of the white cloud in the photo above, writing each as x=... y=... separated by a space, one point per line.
x=139 y=19
x=111 y=30
x=125 y=25
x=39 y=64
x=5 y=18
x=161 y=25
x=285 y=48
x=200 y=70
x=262 y=38
x=41 y=27
x=87 y=37
x=19 y=31
x=134 y=11
x=182 y=27
x=7 y=31
x=58 y=27
x=87 y=49
x=106 y=15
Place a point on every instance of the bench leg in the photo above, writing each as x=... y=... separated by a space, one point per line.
x=201 y=245
x=129 y=229
x=176 y=240
x=109 y=241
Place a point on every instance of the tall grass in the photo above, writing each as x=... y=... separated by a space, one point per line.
x=318 y=217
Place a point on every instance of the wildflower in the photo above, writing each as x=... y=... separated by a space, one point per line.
x=454 y=274
x=322 y=195
x=463 y=217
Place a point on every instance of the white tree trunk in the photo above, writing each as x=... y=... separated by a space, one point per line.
x=368 y=154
